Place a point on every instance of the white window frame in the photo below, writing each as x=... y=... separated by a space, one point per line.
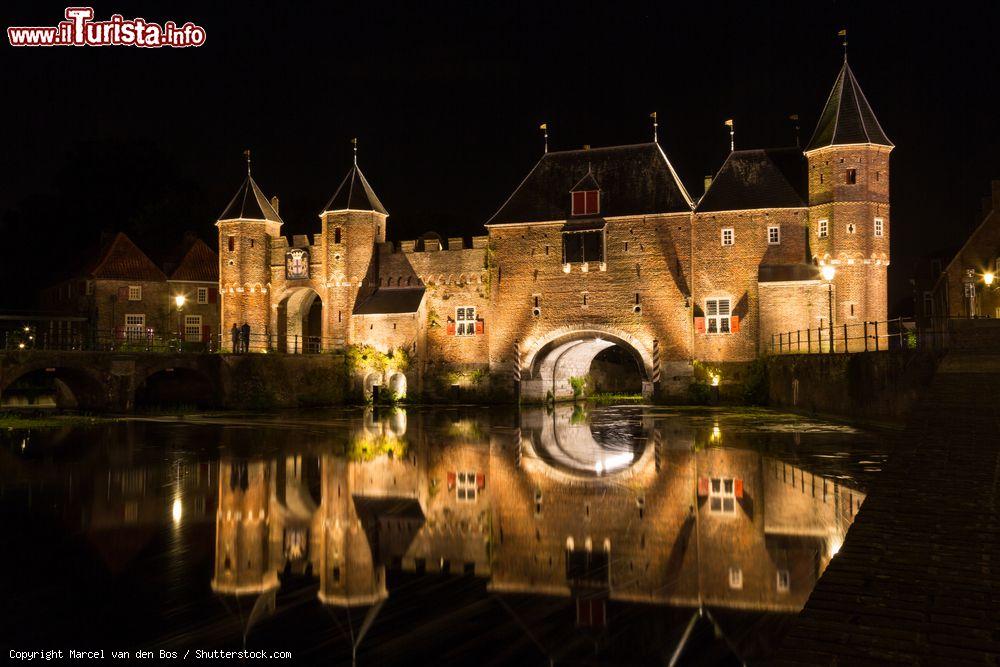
x=192 y=328
x=776 y=239
x=717 y=322
x=722 y=496
x=466 y=490
x=135 y=325
x=135 y=292
x=823 y=228
x=736 y=578
x=879 y=229
x=464 y=324
x=730 y=233
x=202 y=295
x=783 y=581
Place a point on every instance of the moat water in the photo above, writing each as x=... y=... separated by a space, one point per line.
x=445 y=535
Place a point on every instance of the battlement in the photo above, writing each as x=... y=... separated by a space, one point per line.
x=436 y=245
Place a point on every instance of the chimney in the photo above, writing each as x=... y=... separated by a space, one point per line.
x=274 y=203
x=708 y=182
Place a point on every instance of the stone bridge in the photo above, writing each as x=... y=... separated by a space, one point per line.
x=122 y=381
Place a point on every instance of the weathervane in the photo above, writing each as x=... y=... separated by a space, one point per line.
x=354 y=143
x=246 y=154
x=544 y=127
x=843 y=33
x=732 y=134
x=655 y=137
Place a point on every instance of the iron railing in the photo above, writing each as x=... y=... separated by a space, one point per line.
x=893 y=334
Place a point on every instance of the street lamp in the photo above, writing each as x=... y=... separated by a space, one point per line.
x=988 y=278
x=829 y=271
x=179 y=301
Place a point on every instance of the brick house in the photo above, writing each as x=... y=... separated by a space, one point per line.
x=596 y=248
x=961 y=289
x=196 y=278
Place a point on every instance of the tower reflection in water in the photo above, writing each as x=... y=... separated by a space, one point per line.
x=612 y=505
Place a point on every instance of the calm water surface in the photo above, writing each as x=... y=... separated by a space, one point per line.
x=428 y=535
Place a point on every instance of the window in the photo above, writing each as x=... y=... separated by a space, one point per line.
x=823 y=228
x=583 y=246
x=465 y=321
x=722 y=495
x=135 y=326
x=192 y=328
x=774 y=235
x=586 y=202
x=928 y=304
x=465 y=489
x=717 y=315
x=336 y=235
x=251 y=243
x=783 y=581
x=728 y=236
x=851 y=176
x=202 y=295
x=879 y=223
x=135 y=292
x=735 y=578
x=232 y=243
x=89 y=289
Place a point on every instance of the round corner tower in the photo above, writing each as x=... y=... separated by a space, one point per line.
x=848 y=158
x=246 y=230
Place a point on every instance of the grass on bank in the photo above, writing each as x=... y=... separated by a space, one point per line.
x=12 y=420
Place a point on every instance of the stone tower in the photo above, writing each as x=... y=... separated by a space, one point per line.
x=353 y=221
x=848 y=158
x=246 y=230
x=243 y=562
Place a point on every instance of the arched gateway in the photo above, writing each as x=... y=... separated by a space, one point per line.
x=552 y=361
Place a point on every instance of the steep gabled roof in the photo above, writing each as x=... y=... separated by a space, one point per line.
x=588 y=182
x=634 y=180
x=120 y=259
x=249 y=203
x=354 y=194
x=763 y=178
x=847 y=117
x=200 y=263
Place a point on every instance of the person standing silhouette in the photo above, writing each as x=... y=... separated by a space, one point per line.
x=235 y=333
x=245 y=330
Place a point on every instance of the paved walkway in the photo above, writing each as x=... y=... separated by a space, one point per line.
x=918 y=578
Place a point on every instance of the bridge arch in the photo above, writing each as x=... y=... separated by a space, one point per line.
x=551 y=360
x=65 y=387
x=177 y=385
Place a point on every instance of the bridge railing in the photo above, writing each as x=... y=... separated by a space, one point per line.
x=893 y=334
x=276 y=343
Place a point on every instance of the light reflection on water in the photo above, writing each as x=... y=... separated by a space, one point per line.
x=283 y=530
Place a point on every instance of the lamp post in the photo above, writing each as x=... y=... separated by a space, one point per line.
x=988 y=279
x=179 y=301
x=829 y=272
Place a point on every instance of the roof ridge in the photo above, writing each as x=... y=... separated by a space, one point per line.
x=601 y=148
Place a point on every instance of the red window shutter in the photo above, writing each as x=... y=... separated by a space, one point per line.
x=579 y=203
x=702 y=487
x=451 y=328
x=738 y=488
x=206 y=333
x=591 y=201
x=213 y=295
x=699 y=324
x=123 y=293
x=480 y=481
x=451 y=480
x=734 y=324
x=480 y=326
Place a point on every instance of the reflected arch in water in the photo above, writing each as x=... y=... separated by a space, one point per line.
x=568 y=441
x=397 y=385
x=568 y=352
x=62 y=387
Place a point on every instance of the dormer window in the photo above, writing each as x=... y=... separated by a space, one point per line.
x=586 y=202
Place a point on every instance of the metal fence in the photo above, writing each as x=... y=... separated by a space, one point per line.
x=894 y=334
x=28 y=338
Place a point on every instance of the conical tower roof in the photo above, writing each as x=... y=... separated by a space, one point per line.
x=249 y=203
x=847 y=117
x=354 y=194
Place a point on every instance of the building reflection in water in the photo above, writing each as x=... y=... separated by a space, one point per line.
x=614 y=505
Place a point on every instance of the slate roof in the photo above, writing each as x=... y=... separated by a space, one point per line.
x=250 y=203
x=765 y=178
x=391 y=301
x=354 y=194
x=779 y=273
x=847 y=117
x=634 y=180
x=120 y=259
x=200 y=263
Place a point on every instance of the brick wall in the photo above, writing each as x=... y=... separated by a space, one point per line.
x=980 y=253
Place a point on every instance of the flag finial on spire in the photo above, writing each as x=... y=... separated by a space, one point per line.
x=544 y=127
x=246 y=154
x=732 y=134
x=656 y=138
x=354 y=143
x=843 y=34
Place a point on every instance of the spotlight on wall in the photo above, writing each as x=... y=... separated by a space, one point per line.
x=828 y=271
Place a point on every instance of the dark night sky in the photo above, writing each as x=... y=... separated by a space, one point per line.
x=446 y=101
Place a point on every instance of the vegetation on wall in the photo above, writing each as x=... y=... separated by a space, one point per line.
x=370 y=446
x=579 y=384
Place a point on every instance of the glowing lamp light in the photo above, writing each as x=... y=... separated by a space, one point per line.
x=179 y=300
x=20 y=346
x=988 y=278
x=176 y=511
x=715 y=380
x=828 y=271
